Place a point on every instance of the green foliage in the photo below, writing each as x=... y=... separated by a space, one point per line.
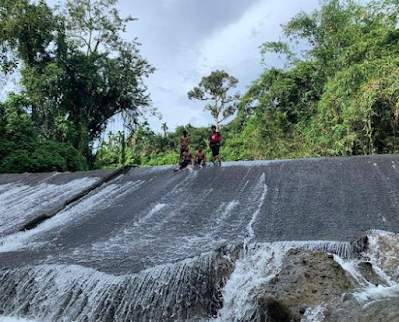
x=44 y=157
x=21 y=148
x=339 y=99
x=161 y=159
x=336 y=96
x=78 y=73
x=25 y=32
x=146 y=148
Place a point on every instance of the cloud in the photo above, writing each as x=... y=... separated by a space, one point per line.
x=233 y=46
x=186 y=40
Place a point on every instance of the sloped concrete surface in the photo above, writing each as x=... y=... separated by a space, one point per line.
x=26 y=198
x=152 y=216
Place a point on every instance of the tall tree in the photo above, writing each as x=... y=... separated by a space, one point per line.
x=340 y=96
x=87 y=76
x=214 y=89
x=26 y=30
x=164 y=128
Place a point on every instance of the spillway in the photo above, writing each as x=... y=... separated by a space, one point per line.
x=149 y=244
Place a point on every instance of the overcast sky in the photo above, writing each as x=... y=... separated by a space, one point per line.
x=187 y=39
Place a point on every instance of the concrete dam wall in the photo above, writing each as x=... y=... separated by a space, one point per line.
x=148 y=244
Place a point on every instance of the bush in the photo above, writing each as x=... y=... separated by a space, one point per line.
x=73 y=160
x=17 y=162
x=161 y=159
x=47 y=156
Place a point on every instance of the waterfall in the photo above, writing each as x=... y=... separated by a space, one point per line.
x=173 y=292
x=226 y=244
x=220 y=286
x=259 y=264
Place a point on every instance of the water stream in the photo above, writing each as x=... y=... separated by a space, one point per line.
x=222 y=285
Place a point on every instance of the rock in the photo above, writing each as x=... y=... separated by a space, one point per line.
x=348 y=297
x=307 y=279
x=383 y=249
x=272 y=310
x=366 y=268
x=380 y=311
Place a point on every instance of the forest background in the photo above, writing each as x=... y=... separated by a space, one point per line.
x=336 y=96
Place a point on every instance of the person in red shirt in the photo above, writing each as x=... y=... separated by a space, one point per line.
x=214 y=143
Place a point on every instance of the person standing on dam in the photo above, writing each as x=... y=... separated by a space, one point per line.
x=184 y=142
x=214 y=143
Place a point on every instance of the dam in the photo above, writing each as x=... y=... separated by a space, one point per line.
x=148 y=244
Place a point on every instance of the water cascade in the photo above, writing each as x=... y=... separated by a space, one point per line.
x=248 y=242
x=231 y=284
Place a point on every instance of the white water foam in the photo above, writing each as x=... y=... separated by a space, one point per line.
x=79 y=294
x=262 y=187
x=314 y=314
x=383 y=250
x=368 y=292
x=256 y=267
x=383 y=254
x=19 y=202
x=14 y=319
x=260 y=264
x=98 y=199
x=226 y=210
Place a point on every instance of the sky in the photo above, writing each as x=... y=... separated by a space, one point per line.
x=186 y=40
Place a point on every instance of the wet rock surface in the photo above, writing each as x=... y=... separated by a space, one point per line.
x=382 y=311
x=307 y=279
x=313 y=286
x=184 y=291
x=266 y=282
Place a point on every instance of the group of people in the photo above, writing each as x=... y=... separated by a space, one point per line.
x=187 y=158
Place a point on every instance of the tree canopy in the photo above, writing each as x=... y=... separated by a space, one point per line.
x=76 y=69
x=337 y=94
x=214 y=89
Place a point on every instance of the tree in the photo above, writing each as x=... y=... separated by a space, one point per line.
x=23 y=150
x=164 y=128
x=214 y=88
x=78 y=71
x=26 y=30
x=340 y=97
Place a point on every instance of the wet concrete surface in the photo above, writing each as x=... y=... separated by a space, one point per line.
x=153 y=216
x=26 y=197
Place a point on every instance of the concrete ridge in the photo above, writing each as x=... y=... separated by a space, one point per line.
x=33 y=223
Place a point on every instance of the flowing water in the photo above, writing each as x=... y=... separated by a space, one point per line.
x=219 y=245
x=223 y=285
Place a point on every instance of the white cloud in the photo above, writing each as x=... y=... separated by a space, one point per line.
x=233 y=47
x=187 y=40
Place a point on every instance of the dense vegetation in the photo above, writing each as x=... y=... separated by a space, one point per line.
x=76 y=74
x=340 y=97
x=336 y=96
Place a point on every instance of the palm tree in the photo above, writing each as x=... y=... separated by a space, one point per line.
x=164 y=128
